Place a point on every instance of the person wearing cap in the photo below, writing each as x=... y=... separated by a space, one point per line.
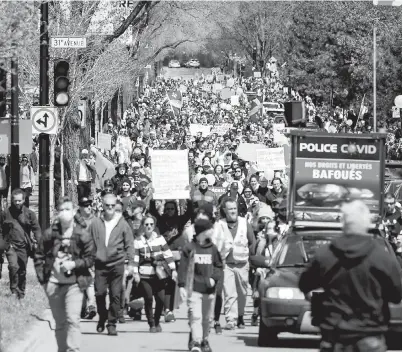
x=200 y=269
x=83 y=176
x=57 y=173
x=203 y=194
x=84 y=216
x=359 y=278
x=137 y=175
x=207 y=211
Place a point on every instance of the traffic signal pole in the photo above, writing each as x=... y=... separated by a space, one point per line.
x=15 y=127
x=44 y=141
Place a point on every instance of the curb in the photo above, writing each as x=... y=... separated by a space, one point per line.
x=41 y=330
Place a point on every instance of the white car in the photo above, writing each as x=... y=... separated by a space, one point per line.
x=174 y=64
x=193 y=63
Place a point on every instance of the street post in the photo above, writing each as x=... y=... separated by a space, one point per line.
x=15 y=127
x=44 y=141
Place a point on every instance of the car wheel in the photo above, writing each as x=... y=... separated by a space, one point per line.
x=267 y=336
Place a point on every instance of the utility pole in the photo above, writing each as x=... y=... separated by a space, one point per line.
x=44 y=141
x=15 y=127
x=374 y=82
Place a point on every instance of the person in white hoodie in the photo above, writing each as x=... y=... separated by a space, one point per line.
x=223 y=244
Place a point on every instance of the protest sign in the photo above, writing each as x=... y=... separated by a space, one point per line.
x=4 y=144
x=221 y=129
x=271 y=158
x=257 y=74
x=170 y=174
x=218 y=191
x=124 y=142
x=183 y=88
x=328 y=173
x=25 y=135
x=247 y=151
x=230 y=82
x=235 y=100
x=206 y=88
x=195 y=128
x=104 y=141
x=226 y=93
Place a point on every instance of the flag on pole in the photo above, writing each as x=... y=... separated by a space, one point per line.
x=256 y=110
x=175 y=100
x=363 y=109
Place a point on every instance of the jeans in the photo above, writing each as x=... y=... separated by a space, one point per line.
x=108 y=278
x=169 y=300
x=83 y=189
x=65 y=302
x=236 y=282
x=200 y=314
x=28 y=192
x=367 y=344
x=17 y=266
x=149 y=288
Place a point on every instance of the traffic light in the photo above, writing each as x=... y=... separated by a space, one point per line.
x=61 y=83
x=3 y=92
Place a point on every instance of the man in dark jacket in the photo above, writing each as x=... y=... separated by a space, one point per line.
x=16 y=225
x=114 y=243
x=203 y=194
x=62 y=262
x=359 y=279
x=58 y=173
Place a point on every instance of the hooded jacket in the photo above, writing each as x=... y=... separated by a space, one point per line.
x=359 y=277
x=207 y=264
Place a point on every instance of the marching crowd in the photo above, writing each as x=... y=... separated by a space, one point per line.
x=151 y=255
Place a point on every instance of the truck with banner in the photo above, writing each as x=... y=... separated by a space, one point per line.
x=329 y=169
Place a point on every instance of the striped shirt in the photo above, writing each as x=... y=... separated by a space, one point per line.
x=145 y=251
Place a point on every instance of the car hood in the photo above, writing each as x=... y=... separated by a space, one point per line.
x=285 y=277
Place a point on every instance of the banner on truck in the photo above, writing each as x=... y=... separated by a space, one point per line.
x=170 y=174
x=329 y=172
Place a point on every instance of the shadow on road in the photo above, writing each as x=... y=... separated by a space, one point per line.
x=283 y=342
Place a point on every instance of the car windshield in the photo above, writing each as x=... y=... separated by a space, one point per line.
x=300 y=251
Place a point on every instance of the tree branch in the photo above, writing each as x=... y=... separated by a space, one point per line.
x=169 y=46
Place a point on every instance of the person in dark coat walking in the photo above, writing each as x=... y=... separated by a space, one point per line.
x=16 y=225
x=359 y=279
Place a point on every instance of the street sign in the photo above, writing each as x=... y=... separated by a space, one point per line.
x=82 y=111
x=44 y=119
x=68 y=42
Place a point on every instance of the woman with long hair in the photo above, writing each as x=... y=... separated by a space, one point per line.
x=220 y=180
x=153 y=265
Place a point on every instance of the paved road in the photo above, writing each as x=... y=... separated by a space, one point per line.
x=134 y=336
x=186 y=73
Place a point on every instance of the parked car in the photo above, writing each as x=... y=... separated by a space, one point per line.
x=174 y=64
x=283 y=306
x=193 y=63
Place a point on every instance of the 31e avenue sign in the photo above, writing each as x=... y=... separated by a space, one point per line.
x=68 y=42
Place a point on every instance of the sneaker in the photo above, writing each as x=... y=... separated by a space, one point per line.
x=240 y=324
x=101 y=326
x=122 y=320
x=112 y=330
x=196 y=347
x=153 y=329
x=217 y=328
x=92 y=312
x=205 y=346
x=158 y=328
x=169 y=317
x=137 y=315
x=254 y=320
x=230 y=326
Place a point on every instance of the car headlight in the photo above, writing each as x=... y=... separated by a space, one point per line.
x=284 y=293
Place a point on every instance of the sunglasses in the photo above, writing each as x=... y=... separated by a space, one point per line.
x=109 y=205
x=150 y=224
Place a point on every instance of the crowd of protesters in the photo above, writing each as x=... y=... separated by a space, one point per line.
x=122 y=241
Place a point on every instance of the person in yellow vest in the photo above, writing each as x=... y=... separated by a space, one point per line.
x=236 y=271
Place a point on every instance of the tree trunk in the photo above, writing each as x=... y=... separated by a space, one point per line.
x=98 y=113
x=109 y=109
